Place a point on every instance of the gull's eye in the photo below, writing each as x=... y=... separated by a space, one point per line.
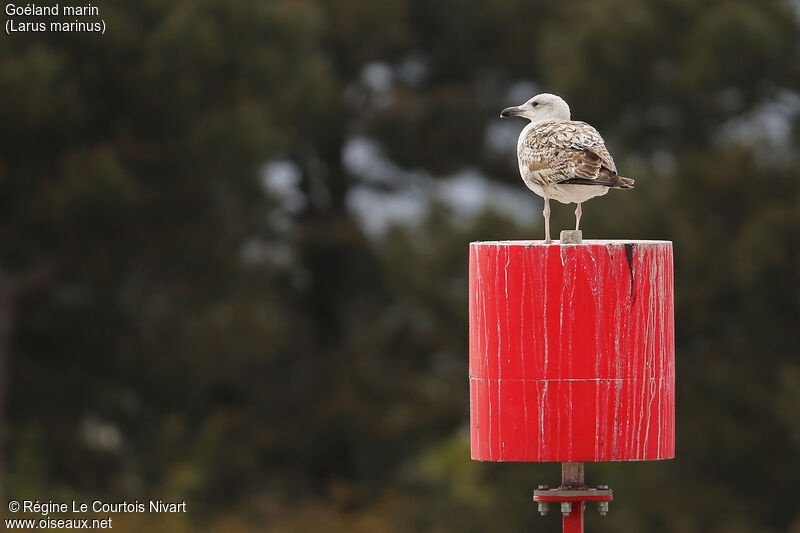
x=534 y=104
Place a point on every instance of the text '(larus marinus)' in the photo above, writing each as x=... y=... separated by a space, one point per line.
x=562 y=159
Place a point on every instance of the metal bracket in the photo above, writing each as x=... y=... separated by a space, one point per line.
x=572 y=494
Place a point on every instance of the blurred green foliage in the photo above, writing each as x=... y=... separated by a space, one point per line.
x=187 y=336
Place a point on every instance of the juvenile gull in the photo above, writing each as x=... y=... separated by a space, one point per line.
x=562 y=159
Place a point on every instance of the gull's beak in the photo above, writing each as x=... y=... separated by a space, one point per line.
x=511 y=112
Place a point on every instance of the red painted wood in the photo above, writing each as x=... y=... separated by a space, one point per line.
x=572 y=353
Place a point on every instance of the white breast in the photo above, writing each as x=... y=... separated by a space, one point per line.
x=568 y=194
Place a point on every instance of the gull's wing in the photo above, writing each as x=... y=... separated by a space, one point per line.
x=557 y=151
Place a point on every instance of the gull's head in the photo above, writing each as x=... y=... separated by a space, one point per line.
x=543 y=106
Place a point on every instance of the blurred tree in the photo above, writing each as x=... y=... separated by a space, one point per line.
x=131 y=166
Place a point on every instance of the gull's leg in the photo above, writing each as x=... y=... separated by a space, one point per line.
x=546 y=214
x=578 y=212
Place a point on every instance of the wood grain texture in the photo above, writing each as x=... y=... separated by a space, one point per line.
x=572 y=352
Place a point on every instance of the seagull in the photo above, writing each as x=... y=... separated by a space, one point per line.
x=562 y=159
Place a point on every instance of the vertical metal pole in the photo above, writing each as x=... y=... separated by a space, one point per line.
x=572 y=476
x=573 y=522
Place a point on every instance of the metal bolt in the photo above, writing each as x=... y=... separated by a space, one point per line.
x=543 y=487
x=566 y=508
x=602 y=508
x=602 y=487
x=544 y=508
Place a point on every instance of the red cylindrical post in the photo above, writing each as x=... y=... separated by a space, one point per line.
x=571 y=351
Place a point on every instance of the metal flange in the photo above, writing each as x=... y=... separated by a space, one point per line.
x=566 y=496
x=571 y=494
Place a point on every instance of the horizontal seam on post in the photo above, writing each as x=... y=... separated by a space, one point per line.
x=565 y=379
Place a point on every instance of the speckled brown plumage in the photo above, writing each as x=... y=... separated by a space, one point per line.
x=565 y=151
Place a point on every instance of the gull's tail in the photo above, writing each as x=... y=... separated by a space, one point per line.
x=606 y=178
x=624 y=183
